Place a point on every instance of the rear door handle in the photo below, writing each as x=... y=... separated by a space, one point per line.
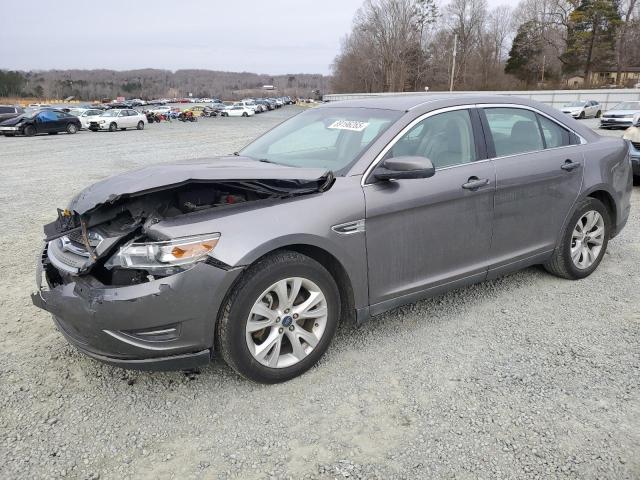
x=569 y=165
x=475 y=183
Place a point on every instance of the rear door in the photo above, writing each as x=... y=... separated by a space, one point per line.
x=425 y=233
x=539 y=169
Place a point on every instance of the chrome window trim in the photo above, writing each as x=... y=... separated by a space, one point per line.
x=400 y=134
x=417 y=120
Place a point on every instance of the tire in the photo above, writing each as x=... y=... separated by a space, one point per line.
x=599 y=114
x=140 y=125
x=561 y=263
x=245 y=114
x=113 y=127
x=29 y=131
x=232 y=339
x=581 y=116
x=223 y=114
x=72 y=128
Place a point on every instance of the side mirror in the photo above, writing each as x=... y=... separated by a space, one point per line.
x=404 y=168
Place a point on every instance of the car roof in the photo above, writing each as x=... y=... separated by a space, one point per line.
x=411 y=101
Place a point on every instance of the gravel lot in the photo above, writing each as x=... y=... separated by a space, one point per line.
x=528 y=376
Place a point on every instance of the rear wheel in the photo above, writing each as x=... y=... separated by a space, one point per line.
x=279 y=319
x=72 y=128
x=113 y=127
x=584 y=241
x=140 y=125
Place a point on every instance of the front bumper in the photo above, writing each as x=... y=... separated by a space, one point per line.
x=116 y=324
x=9 y=129
x=615 y=122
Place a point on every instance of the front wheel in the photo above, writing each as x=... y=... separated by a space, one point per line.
x=581 y=116
x=29 y=130
x=113 y=127
x=583 y=242
x=140 y=125
x=279 y=319
x=71 y=128
x=598 y=114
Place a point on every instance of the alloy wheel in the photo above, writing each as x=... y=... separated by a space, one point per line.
x=587 y=239
x=286 y=322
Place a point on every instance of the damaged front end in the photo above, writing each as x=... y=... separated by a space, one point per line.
x=105 y=230
x=125 y=296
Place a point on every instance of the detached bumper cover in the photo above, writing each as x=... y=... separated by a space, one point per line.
x=115 y=324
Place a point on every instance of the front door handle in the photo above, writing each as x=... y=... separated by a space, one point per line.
x=569 y=165
x=475 y=183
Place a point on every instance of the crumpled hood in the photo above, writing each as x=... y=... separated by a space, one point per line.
x=223 y=169
x=12 y=121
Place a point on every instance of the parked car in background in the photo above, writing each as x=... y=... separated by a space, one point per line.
x=237 y=111
x=582 y=109
x=40 y=121
x=158 y=267
x=10 y=111
x=162 y=109
x=249 y=104
x=197 y=110
x=632 y=135
x=620 y=116
x=86 y=115
x=122 y=119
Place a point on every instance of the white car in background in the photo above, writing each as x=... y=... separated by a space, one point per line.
x=583 y=109
x=249 y=104
x=162 y=109
x=237 y=111
x=86 y=115
x=122 y=119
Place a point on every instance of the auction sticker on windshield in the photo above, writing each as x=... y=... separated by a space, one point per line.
x=352 y=125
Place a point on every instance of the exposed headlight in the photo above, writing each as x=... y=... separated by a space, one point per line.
x=101 y=121
x=178 y=252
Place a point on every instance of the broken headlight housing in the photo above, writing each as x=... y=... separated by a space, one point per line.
x=167 y=256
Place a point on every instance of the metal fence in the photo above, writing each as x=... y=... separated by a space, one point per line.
x=608 y=98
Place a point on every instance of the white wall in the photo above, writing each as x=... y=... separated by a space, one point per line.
x=555 y=98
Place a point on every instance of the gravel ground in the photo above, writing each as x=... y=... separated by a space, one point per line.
x=528 y=376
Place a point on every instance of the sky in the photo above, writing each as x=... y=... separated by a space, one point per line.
x=262 y=36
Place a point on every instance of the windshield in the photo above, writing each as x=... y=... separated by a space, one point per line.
x=331 y=138
x=574 y=104
x=110 y=113
x=627 y=106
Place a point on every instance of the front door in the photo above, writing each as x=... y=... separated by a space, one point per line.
x=425 y=233
x=538 y=177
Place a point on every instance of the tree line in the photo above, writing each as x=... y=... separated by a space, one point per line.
x=151 y=83
x=407 y=45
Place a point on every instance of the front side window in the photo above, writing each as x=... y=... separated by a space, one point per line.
x=327 y=137
x=514 y=130
x=47 y=116
x=446 y=139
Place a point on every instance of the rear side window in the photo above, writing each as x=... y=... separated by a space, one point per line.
x=554 y=135
x=514 y=130
x=7 y=110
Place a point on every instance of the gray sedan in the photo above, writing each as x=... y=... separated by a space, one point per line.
x=342 y=212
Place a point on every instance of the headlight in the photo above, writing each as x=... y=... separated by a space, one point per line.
x=164 y=255
x=628 y=115
x=101 y=121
